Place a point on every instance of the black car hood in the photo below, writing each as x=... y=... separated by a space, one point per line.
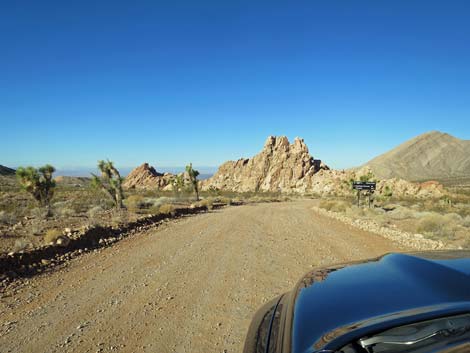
x=334 y=306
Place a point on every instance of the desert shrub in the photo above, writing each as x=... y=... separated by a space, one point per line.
x=387 y=191
x=51 y=235
x=38 y=212
x=333 y=205
x=453 y=218
x=63 y=209
x=355 y=212
x=225 y=200
x=237 y=200
x=93 y=215
x=466 y=221
x=367 y=177
x=118 y=217
x=437 y=225
x=66 y=212
x=94 y=211
x=20 y=244
x=208 y=203
x=167 y=209
x=7 y=218
x=136 y=202
x=213 y=191
x=36 y=228
x=158 y=201
x=401 y=213
x=373 y=213
x=441 y=206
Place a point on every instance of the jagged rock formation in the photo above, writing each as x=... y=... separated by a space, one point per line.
x=433 y=155
x=146 y=177
x=280 y=166
x=6 y=171
x=285 y=167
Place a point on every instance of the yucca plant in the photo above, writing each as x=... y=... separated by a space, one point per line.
x=39 y=183
x=193 y=174
x=110 y=181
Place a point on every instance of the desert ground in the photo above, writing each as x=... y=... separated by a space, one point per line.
x=189 y=285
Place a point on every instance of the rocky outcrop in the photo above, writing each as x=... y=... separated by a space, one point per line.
x=289 y=168
x=146 y=177
x=280 y=166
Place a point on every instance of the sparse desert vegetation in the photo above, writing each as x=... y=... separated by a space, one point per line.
x=79 y=203
x=446 y=219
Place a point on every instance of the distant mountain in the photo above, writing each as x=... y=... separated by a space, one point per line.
x=433 y=155
x=6 y=171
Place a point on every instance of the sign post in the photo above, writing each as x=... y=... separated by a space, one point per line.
x=368 y=186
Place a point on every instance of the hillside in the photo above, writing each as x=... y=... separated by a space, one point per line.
x=433 y=155
x=6 y=171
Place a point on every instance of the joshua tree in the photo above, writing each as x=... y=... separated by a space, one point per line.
x=110 y=181
x=193 y=174
x=39 y=183
x=177 y=183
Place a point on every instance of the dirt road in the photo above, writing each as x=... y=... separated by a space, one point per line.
x=189 y=286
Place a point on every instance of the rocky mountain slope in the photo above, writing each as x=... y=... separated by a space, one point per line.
x=433 y=155
x=145 y=176
x=6 y=171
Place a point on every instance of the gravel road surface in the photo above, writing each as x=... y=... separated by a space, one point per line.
x=191 y=285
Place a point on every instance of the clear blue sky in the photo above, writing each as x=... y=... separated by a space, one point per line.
x=170 y=82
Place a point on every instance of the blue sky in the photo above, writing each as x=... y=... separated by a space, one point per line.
x=170 y=82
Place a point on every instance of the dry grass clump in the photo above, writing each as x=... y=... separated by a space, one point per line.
x=93 y=215
x=94 y=211
x=135 y=203
x=65 y=212
x=400 y=213
x=167 y=209
x=436 y=225
x=466 y=221
x=38 y=213
x=158 y=201
x=333 y=205
x=52 y=235
x=119 y=217
x=7 y=218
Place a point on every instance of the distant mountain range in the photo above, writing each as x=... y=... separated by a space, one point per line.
x=6 y=171
x=206 y=172
x=433 y=155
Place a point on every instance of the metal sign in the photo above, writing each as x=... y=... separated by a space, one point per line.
x=364 y=185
